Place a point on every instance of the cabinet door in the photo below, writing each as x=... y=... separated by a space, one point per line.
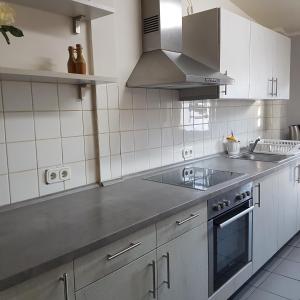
x=264 y=222
x=48 y=286
x=136 y=281
x=281 y=66
x=235 y=54
x=261 y=62
x=298 y=193
x=286 y=191
x=184 y=275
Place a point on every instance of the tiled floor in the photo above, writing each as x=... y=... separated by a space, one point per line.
x=279 y=279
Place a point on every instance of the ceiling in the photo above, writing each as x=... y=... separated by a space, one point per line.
x=281 y=15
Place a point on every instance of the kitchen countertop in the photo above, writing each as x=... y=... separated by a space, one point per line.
x=38 y=237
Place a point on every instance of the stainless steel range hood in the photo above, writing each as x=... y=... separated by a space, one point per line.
x=163 y=65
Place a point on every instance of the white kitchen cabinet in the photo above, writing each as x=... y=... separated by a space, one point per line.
x=183 y=267
x=261 y=62
x=286 y=189
x=235 y=54
x=136 y=281
x=282 y=66
x=57 y=284
x=265 y=217
x=221 y=39
x=270 y=54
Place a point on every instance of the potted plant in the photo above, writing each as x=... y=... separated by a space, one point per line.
x=7 y=19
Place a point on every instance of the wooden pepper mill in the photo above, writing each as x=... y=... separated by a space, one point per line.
x=72 y=60
x=80 y=61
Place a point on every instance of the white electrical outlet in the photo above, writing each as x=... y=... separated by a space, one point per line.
x=188 y=152
x=65 y=174
x=57 y=175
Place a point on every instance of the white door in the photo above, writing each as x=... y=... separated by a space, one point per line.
x=281 y=66
x=136 y=281
x=235 y=54
x=183 y=267
x=264 y=222
x=286 y=191
x=261 y=62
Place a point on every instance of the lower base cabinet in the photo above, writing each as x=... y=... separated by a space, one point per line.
x=57 y=284
x=183 y=267
x=136 y=281
x=265 y=216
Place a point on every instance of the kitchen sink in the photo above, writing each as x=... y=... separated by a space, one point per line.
x=262 y=157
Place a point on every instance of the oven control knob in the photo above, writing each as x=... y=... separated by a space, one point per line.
x=248 y=193
x=227 y=202
x=239 y=197
x=244 y=195
x=217 y=207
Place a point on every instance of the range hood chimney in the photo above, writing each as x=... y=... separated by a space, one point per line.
x=163 y=65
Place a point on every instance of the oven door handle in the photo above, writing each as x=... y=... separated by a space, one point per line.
x=238 y=216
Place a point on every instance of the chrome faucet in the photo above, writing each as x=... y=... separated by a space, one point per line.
x=253 y=146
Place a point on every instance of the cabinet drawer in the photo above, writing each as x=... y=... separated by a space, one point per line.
x=48 y=286
x=180 y=223
x=102 y=262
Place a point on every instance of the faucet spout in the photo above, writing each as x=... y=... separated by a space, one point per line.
x=253 y=146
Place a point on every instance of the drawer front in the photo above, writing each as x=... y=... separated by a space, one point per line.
x=48 y=286
x=108 y=259
x=180 y=223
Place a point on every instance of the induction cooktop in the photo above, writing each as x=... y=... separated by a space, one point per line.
x=194 y=177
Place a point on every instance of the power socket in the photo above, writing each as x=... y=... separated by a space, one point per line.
x=187 y=152
x=57 y=175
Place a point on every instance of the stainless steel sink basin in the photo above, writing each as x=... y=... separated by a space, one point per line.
x=262 y=157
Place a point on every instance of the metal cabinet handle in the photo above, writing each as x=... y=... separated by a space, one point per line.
x=64 y=279
x=193 y=216
x=168 y=281
x=298 y=177
x=153 y=292
x=131 y=246
x=241 y=214
x=259 y=196
x=272 y=87
x=276 y=87
x=225 y=88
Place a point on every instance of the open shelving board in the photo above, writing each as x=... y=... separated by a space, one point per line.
x=91 y=9
x=11 y=74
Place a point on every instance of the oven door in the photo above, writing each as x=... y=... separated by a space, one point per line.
x=230 y=244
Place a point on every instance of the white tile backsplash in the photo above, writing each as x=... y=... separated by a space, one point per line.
x=45 y=96
x=47 y=125
x=35 y=124
x=23 y=185
x=21 y=156
x=19 y=126
x=16 y=96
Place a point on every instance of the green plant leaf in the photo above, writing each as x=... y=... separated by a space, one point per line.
x=14 y=31
x=5 y=35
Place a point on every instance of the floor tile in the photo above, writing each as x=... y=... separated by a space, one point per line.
x=244 y=293
x=285 y=251
x=289 y=269
x=294 y=255
x=259 y=278
x=262 y=295
x=282 y=286
x=295 y=241
x=272 y=264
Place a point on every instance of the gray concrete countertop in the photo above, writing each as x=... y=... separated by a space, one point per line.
x=41 y=236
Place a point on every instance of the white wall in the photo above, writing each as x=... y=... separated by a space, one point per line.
x=294 y=103
x=45 y=44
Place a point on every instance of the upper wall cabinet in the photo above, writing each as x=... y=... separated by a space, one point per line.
x=221 y=40
x=270 y=56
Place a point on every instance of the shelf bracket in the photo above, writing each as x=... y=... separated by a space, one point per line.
x=82 y=91
x=77 y=24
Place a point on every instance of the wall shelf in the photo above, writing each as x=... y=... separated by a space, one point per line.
x=90 y=9
x=82 y=81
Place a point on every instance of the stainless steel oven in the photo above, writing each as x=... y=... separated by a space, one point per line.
x=229 y=235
